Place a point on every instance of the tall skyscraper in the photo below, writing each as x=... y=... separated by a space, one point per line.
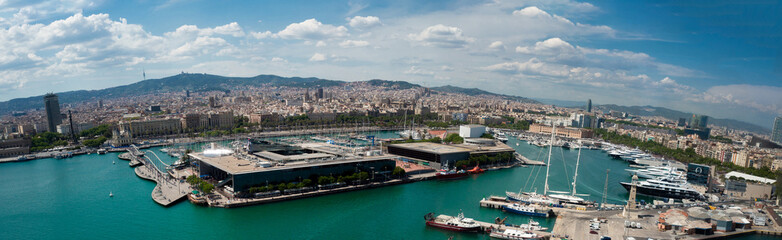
x=589 y=105
x=699 y=121
x=319 y=94
x=776 y=132
x=53 y=116
x=682 y=122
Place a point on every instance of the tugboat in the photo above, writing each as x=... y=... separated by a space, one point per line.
x=476 y=170
x=450 y=174
x=458 y=223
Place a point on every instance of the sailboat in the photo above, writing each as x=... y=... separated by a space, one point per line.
x=572 y=198
x=559 y=197
x=534 y=197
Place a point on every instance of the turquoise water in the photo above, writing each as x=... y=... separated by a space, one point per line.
x=68 y=199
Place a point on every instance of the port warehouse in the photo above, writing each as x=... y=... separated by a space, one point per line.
x=241 y=171
x=440 y=154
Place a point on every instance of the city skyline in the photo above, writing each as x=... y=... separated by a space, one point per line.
x=558 y=50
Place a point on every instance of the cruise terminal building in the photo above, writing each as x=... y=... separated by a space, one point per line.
x=240 y=171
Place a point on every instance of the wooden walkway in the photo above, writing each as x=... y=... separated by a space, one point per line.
x=168 y=189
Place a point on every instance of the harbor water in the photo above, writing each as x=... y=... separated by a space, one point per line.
x=69 y=199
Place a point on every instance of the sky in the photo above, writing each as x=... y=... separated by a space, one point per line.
x=718 y=58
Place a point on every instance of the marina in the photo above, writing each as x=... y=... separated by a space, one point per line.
x=403 y=204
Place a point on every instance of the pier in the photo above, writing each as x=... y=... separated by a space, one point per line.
x=486 y=227
x=168 y=189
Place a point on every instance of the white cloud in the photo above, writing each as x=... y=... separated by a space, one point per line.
x=353 y=43
x=531 y=12
x=531 y=67
x=355 y=7
x=764 y=98
x=202 y=45
x=442 y=36
x=32 y=11
x=364 y=22
x=537 y=16
x=320 y=44
x=312 y=29
x=497 y=45
x=551 y=46
x=318 y=57
x=420 y=72
x=261 y=35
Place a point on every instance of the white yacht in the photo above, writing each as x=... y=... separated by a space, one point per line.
x=656 y=172
x=513 y=234
x=666 y=187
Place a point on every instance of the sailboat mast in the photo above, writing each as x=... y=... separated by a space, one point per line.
x=404 y=124
x=548 y=162
x=575 y=176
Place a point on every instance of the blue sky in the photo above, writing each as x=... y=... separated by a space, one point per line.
x=713 y=57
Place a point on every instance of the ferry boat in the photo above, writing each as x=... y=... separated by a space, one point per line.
x=512 y=234
x=666 y=187
x=458 y=223
x=528 y=210
x=450 y=174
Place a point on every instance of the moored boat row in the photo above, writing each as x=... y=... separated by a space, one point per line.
x=496 y=230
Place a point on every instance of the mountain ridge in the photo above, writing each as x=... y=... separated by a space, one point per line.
x=675 y=115
x=202 y=82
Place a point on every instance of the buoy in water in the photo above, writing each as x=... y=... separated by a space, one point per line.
x=111 y=194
